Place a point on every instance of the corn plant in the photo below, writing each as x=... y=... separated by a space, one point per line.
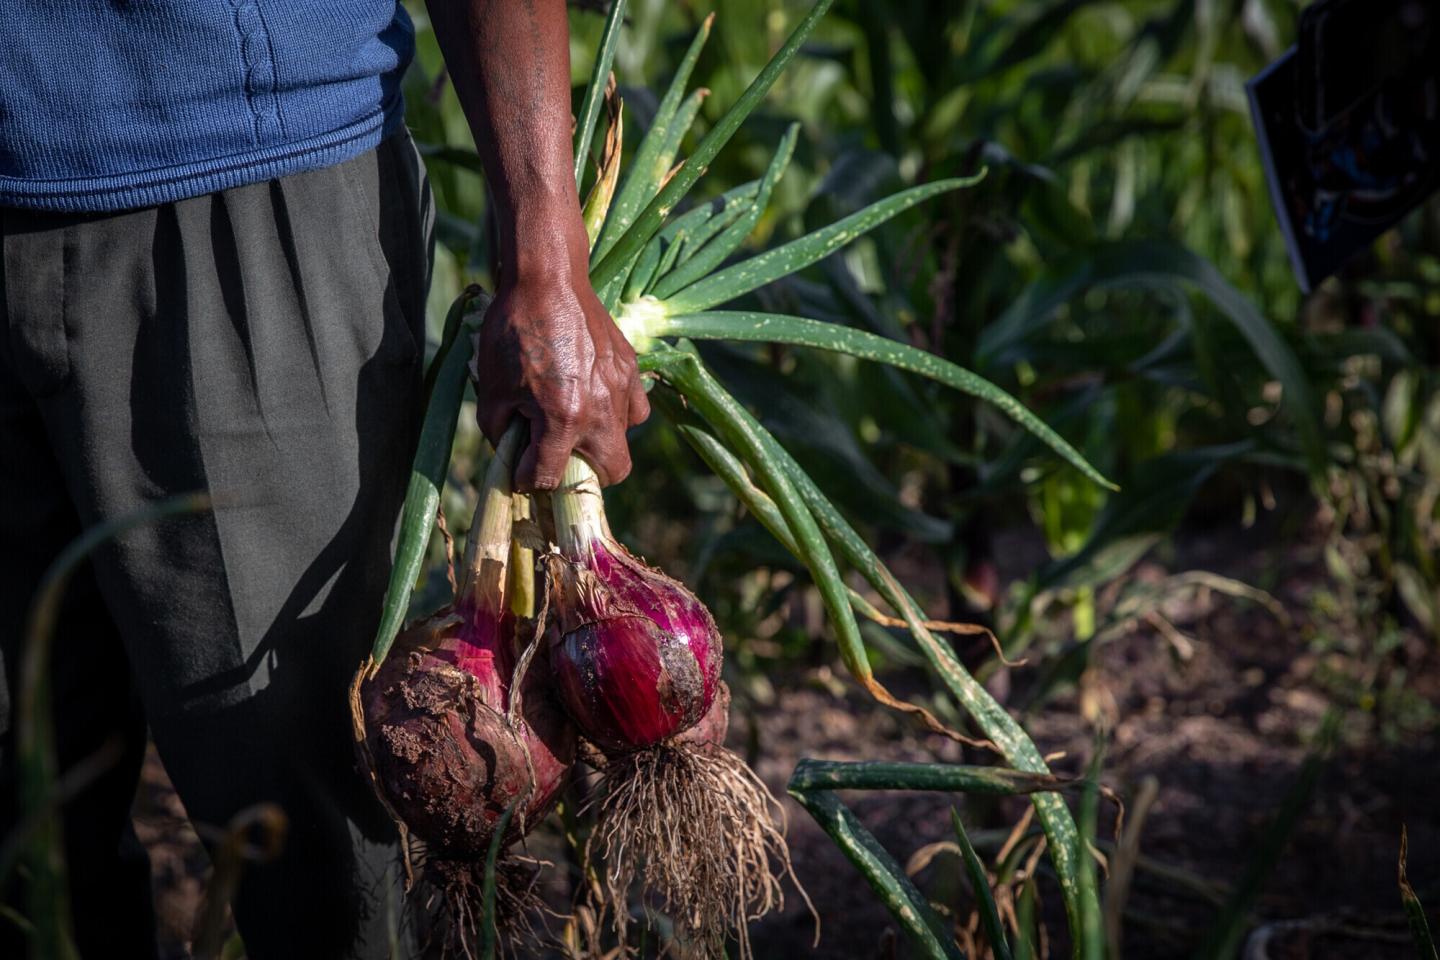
x=663 y=273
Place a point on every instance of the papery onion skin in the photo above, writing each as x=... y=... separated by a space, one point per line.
x=637 y=657
x=710 y=732
x=444 y=754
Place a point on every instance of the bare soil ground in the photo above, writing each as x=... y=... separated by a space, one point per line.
x=1215 y=699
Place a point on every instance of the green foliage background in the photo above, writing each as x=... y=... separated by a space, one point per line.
x=1120 y=270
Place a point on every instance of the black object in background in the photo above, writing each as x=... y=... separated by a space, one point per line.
x=1349 y=126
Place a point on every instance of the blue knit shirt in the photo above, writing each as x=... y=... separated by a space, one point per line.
x=117 y=104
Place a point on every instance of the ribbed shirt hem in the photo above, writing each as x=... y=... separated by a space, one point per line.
x=151 y=188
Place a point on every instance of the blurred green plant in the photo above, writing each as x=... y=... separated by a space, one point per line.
x=635 y=250
x=1096 y=276
x=32 y=853
x=1414 y=910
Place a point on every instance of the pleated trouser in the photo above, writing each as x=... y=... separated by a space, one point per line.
x=263 y=344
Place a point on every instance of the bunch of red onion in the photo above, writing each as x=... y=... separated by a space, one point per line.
x=636 y=659
x=457 y=726
x=455 y=729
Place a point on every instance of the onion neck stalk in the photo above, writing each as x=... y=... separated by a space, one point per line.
x=484 y=646
x=522 y=562
x=579 y=508
x=642 y=321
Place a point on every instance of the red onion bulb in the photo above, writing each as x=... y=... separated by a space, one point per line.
x=636 y=656
x=448 y=752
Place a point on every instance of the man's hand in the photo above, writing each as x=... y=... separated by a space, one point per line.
x=548 y=351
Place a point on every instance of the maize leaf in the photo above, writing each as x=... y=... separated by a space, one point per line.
x=1134 y=262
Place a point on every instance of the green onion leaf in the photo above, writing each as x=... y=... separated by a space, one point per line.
x=798 y=254
x=724 y=208
x=655 y=212
x=778 y=328
x=998 y=725
x=675 y=135
x=645 y=268
x=984 y=896
x=703 y=261
x=944 y=777
x=427 y=477
x=671 y=252
x=887 y=877
x=643 y=177
x=489 y=940
x=595 y=91
x=743 y=432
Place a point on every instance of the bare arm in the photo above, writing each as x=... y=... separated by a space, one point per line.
x=548 y=351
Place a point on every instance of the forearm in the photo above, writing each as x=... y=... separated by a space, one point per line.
x=547 y=351
x=510 y=62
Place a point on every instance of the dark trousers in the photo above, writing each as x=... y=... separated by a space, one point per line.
x=264 y=344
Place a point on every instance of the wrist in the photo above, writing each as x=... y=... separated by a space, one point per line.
x=545 y=241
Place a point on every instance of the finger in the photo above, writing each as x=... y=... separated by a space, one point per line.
x=639 y=402
x=608 y=454
x=620 y=464
x=494 y=415
x=542 y=463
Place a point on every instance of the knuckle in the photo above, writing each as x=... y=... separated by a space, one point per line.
x=564 y=414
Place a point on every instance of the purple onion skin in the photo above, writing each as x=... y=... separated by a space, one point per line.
x=481 y=647
x=637 y=657
x=445 y=757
